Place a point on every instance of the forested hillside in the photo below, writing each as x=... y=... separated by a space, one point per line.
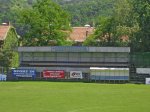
x=81 y=11
x=45 y=22
x=86 y=11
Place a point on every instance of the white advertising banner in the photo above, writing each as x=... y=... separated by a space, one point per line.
x=143 y=70
x=147 y=81
x=76 y=74
x=3 y=77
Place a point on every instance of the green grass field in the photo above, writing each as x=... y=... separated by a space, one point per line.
x=73 y=97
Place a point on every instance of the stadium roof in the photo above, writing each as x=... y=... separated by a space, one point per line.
x=74 y=49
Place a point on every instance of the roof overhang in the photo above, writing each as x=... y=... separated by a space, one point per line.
x=74 y=49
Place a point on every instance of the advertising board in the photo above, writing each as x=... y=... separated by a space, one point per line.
x=23 y=73
x=53 y=74
x=147 y=81
x=3 y=77
x=76 y=74
x=143 y=70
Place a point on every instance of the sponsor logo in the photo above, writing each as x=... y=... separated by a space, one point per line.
x=53 y=74
x=76 y=74
x=23 y=73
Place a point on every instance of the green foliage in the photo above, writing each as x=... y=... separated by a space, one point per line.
x=9 y=57
x=129 y=18
x=86 y=11
x=103 y=36
x=112 y=31
x=141 y=9
x=45 y=24
x=82 y=11
x=7 y=6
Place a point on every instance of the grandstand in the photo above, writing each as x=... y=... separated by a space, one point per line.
x=71 y=58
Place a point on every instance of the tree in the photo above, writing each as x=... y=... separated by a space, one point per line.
x=86 y=11
x=8 y=56
x=103 y=36
x=112 y=31
x=142 y=10
x=45 y=23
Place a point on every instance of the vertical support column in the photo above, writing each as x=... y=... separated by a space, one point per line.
x=32 y=54
x=44 y=55
x=56 y=58
x=91 y=57
x=79 y=57
x=68 y=57
x=20 y=58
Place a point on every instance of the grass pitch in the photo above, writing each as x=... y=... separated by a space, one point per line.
x=73 y=97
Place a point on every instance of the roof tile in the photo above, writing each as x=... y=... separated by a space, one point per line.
x=3 y=32
x=80 y=33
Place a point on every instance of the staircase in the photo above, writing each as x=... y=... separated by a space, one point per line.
x=133 y=77
x=9 y=76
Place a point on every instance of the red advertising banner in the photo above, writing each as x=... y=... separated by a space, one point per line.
x=53 y=74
